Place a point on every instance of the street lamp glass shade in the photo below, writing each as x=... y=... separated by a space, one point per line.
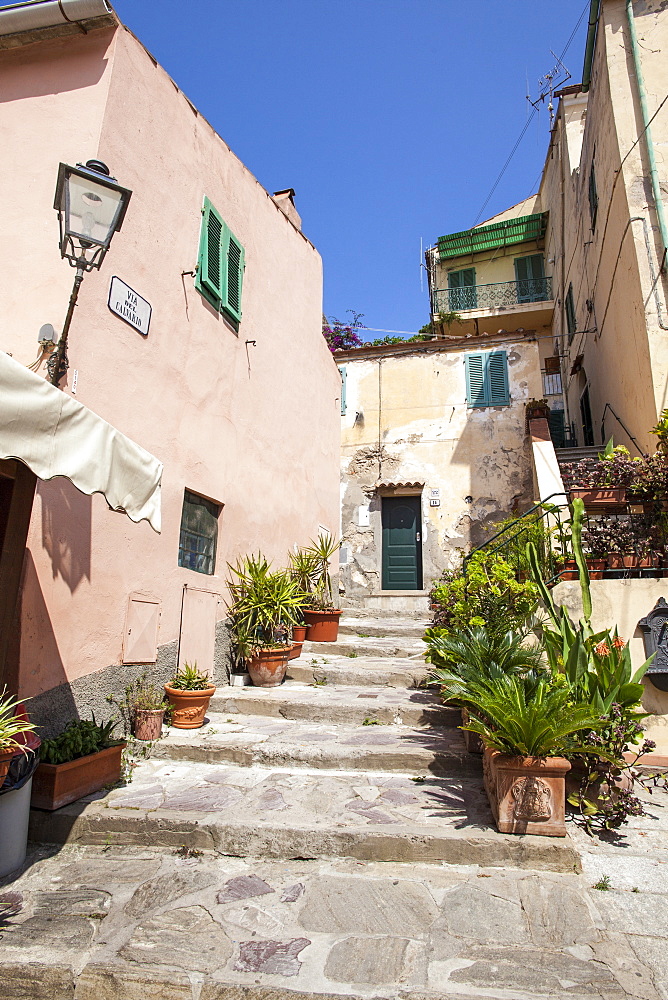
x=91 y=207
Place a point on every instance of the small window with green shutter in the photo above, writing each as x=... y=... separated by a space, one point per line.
x=344 y=377
x=571 y=318
x=220 y=264
x=487 y=379
x=593 y=197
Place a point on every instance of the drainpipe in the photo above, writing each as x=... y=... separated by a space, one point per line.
x=649 y=146
x=594 y=8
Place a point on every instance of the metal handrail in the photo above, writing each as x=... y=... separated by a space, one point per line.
x=494 y=294
x=532 y=510
x=621 y=422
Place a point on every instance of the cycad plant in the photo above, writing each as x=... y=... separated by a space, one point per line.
x=531 y=717
x=477 y=654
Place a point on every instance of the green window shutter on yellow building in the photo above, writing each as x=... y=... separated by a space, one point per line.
x=487 y=379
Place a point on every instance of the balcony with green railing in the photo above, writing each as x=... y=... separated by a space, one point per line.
x=498 y=295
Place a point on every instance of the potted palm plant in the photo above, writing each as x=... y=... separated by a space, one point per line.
x=189 y=693
x=18 y=748
x=322 y=616
x=264 y=606
x=529 y=726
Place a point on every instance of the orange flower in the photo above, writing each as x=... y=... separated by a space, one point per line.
x=602 y=649
x=618 y=642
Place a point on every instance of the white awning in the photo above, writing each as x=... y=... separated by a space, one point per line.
x=54 y=435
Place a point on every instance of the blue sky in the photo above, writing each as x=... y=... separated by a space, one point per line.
x=391 y=119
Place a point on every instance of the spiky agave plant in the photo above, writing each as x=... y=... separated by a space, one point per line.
x=11 y=725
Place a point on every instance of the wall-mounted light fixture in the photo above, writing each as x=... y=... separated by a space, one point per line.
x=91 y=207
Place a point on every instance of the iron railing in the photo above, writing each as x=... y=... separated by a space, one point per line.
x=629 y=541
x=493 y=296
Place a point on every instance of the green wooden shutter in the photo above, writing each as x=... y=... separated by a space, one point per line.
x=234 y=262
x=571 y=318
x=209 y=279
x=497 y=378
x=530 y=275
x=344 y=378
x=463 y=294
x=475 y=380
x=593 y=197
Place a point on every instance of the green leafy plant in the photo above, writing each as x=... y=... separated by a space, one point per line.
x=189 y=678
x=603 y=884
x=11 y=725
x=80 y=738
x=488 y=595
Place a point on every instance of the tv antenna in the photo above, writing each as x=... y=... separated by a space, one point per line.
x=547 y=85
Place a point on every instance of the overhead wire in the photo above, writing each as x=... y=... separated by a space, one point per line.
x=526 y=125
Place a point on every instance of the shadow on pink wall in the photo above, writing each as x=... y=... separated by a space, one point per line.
x=66 y=530
x=44 y=669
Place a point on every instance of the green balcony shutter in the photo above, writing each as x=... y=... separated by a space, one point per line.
x=475 y=380
x=209 y=278
x=497 y=378
x=234 y=262
x=344 y=378
x=571 y=318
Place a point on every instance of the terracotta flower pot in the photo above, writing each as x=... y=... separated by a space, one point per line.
x=56 y=785
x=189 y=707
x=604 y=496
x=147 y=723
x=298 y=633
x=323 y=625
x=474 y=743
x=268 y=667
x=570 y=570
x=596 y=567
x=526 y=794
x=295 y=650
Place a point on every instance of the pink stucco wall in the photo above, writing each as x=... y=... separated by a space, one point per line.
x=255 y=428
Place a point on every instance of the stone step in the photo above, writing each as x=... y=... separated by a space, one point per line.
x=379 y=645
x=336 y=704
x=359 y=671
x=259 y=740
x=419 y=613
x=384 y=628
x=401 y=603
x=575 y=454
x=287 y=813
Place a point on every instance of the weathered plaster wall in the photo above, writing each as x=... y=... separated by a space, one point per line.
x=234 y=421
x=407 y=421
x=614 y=266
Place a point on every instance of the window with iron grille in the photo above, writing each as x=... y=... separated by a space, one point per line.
x=199 y=533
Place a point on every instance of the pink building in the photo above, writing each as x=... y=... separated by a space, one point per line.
x=229 y=384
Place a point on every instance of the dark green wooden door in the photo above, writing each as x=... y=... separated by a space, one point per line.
x=402 y=544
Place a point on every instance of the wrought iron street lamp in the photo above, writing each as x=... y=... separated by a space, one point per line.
x=91 y=207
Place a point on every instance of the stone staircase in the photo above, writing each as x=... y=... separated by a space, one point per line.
x=350 y=757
